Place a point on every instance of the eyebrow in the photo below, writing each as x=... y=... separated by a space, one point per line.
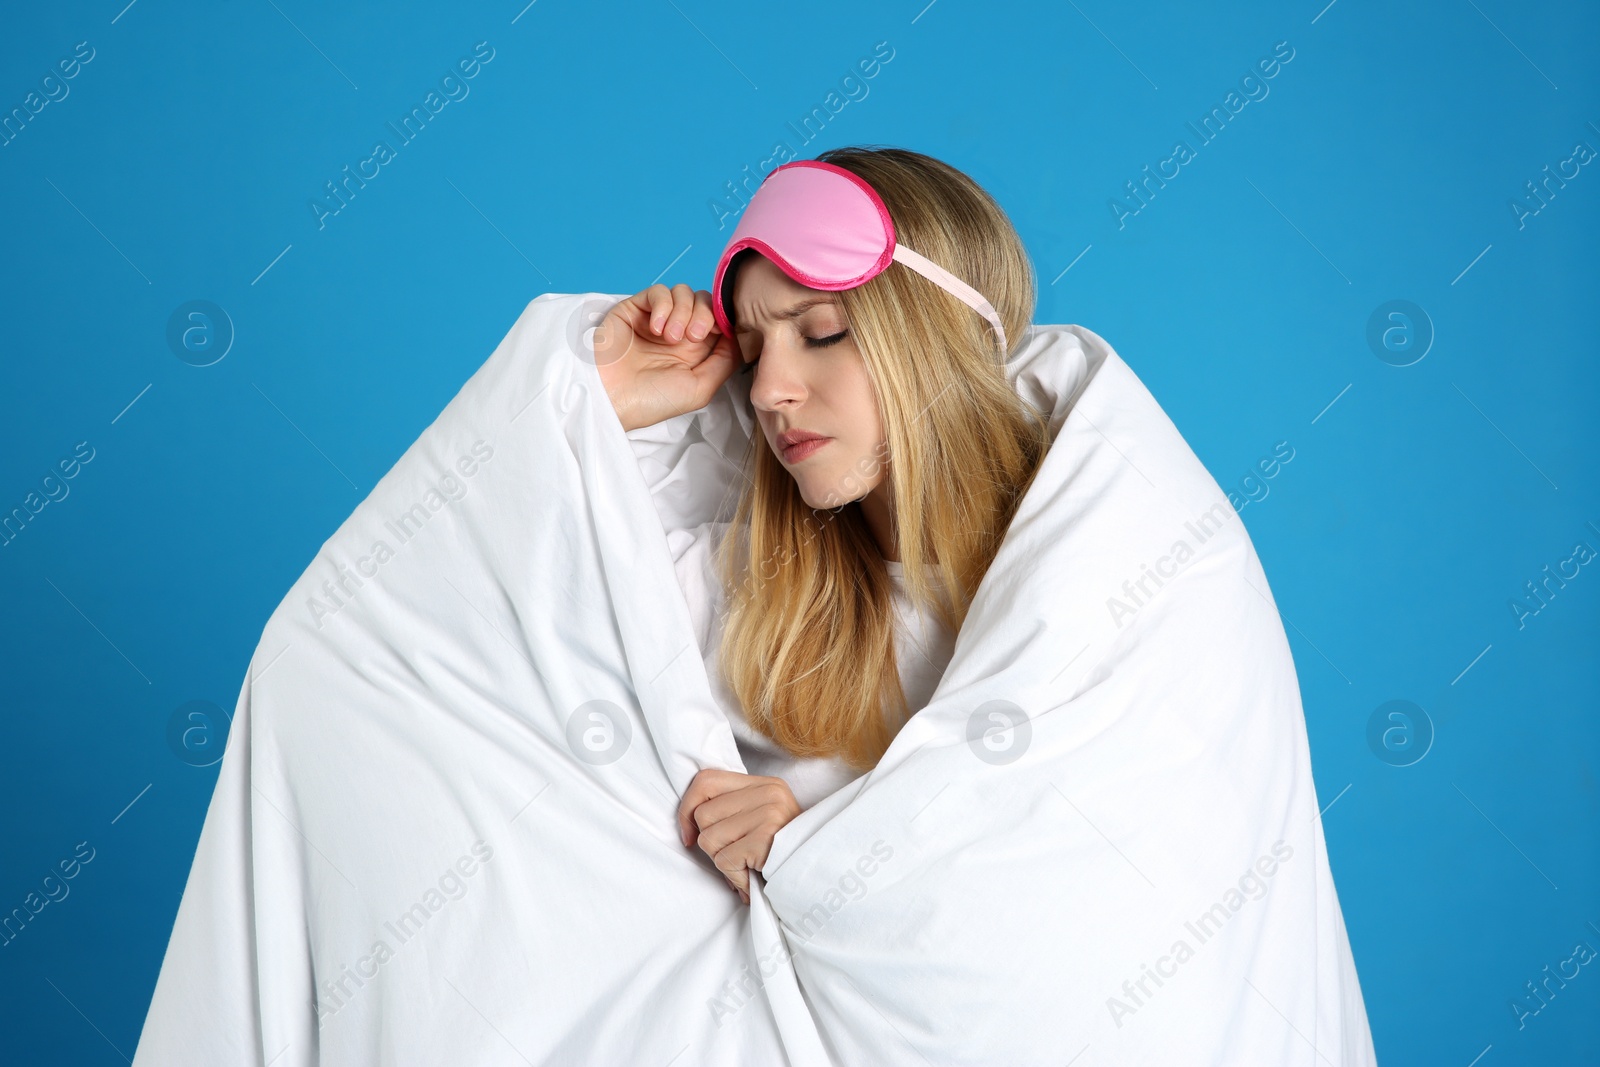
x=792 y=313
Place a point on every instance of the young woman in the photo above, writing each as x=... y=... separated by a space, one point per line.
x=891 y=456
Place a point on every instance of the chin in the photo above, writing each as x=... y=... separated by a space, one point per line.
x=826 y=496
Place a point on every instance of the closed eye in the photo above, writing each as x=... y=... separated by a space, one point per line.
x=813 y=342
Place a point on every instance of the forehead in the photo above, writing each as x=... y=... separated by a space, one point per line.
x=764 y=293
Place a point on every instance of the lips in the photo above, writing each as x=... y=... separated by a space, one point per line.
x=798 y=444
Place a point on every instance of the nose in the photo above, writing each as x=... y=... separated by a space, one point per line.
x=777 y=385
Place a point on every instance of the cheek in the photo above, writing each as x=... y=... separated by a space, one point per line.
x=870 y=451
x=852 y=397
x=859 y=466
x=865 y=444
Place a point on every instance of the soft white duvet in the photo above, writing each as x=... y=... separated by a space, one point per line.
x=443 y=831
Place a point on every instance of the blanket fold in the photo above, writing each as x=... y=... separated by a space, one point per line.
x=443 y=829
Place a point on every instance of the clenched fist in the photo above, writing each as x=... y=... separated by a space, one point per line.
x=734 y=817
x=659 y=354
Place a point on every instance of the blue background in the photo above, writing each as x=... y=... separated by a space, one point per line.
x=1382 y=163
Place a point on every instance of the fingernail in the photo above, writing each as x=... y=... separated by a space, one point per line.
x=697 y=331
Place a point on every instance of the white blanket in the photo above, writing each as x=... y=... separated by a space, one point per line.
x=444 y=827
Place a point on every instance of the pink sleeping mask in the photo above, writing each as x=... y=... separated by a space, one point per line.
x=828 y=229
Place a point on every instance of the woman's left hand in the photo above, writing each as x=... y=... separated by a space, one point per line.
x=734 y=817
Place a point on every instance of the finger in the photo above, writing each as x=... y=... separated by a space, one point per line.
x=717 y=367
x=719 y=808
x=658 y=298
x=692 y=798
x=728 y=793
x=736 y=860
x=682 y=309
x=739 y=842
x=707 y=783
x=613 y=334
x=738 y=877
x=686 y=824
x=703 y=320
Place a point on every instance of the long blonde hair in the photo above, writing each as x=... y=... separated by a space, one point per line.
x=808 y=646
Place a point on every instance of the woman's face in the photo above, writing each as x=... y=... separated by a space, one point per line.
x=809 y=376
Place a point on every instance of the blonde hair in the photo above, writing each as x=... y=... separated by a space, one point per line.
x=809 y=641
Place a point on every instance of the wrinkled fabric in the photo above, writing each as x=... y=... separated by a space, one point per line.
x=444 y=830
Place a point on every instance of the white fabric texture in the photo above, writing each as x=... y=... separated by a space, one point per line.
x=443 y=830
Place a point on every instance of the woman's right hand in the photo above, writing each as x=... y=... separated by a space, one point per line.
x=660 y=354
